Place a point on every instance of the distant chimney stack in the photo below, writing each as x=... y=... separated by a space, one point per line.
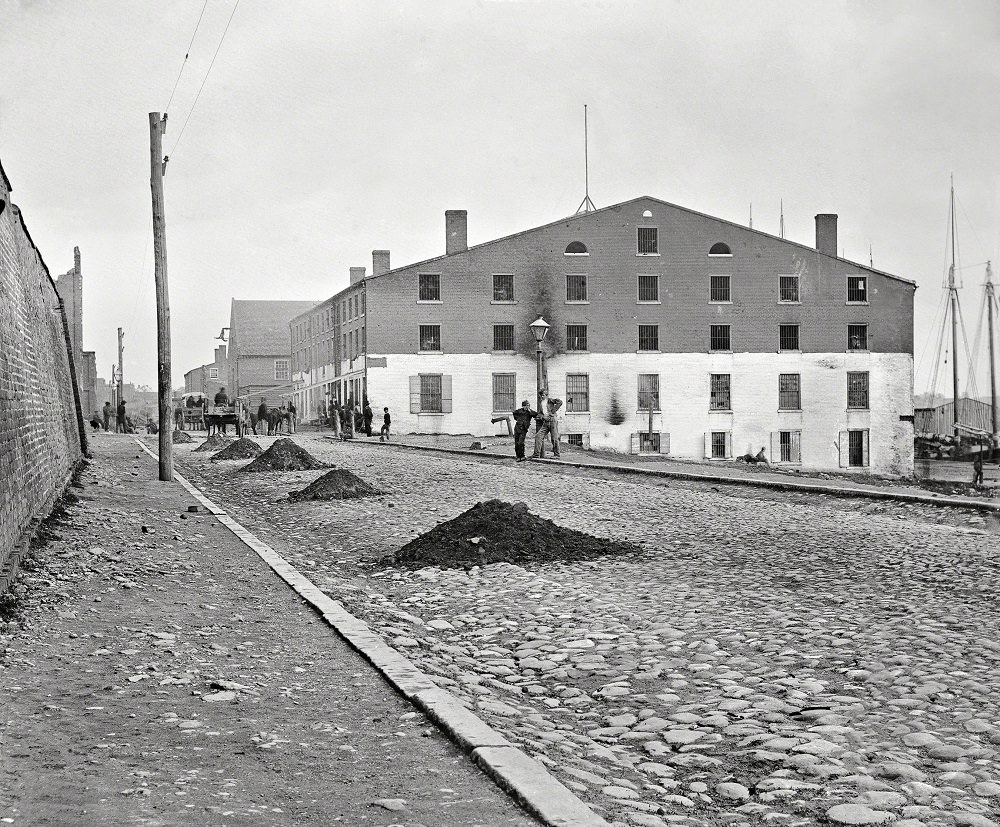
x=456 y=225
x=826 y=233
x=357 y=274
x=380 y=262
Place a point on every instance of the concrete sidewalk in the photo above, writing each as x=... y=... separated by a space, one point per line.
x=158 y=672
x=729 y=473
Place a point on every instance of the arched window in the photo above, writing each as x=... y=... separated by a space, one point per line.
x=647 y=213
x=576 y=248
x=720 y=249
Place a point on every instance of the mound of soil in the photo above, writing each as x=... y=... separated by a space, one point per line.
x=285 y=455
x=214 y=443
x=338 y=484
x=499 y=532
x=241 y=449
x=180 y=437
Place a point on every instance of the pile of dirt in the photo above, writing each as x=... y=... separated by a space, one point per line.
x=180 y=437
x=285 y=455
x=241 y=449
x=338 y=484
x=499 y=532
x=214 y=443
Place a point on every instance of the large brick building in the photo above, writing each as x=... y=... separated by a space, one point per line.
x=209 y=379
x=735 y=339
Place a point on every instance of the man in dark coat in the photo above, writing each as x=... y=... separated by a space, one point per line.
x=106 y=415
x=368 y=416
x=261 y=415
x=522 y=422
x=121 y=426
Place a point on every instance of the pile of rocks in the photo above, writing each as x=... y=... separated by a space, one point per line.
x=285 y=455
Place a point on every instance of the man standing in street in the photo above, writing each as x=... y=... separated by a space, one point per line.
x=120 y=427
x=368 y=415
x=261 y=415
x=291 y=416
x=522 y=422
x=106 y=414
x=546 y=424
x=386 y=421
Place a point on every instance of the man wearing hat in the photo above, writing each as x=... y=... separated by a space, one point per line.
x=522 y=421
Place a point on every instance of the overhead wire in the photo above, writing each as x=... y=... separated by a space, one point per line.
x=187 y=54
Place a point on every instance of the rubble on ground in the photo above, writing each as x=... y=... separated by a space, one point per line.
x=285 y=455
x=338 y=484
x=244 y=448
x=215 y=442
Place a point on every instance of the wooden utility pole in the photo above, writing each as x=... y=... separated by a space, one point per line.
x=120 y=382
x=158 y=164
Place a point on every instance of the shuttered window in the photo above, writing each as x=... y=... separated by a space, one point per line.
x=504 y=391
x=720 y=398
x=430 y=393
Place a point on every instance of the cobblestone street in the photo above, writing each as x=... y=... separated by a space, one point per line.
x=767 y=658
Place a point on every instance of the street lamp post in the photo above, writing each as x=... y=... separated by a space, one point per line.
x=539 y=328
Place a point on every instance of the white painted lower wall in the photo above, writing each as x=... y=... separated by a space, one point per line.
x=684 y=400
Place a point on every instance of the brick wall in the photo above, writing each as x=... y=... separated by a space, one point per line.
x=39 y=431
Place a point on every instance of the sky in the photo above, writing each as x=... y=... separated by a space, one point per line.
x=324 y=130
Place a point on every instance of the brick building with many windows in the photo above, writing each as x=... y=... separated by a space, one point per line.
x=672 y=332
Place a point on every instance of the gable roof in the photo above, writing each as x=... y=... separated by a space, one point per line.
x=260 y=328
x=661 y=202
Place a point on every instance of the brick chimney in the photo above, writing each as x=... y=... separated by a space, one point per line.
x=456 y=226
x=826 y=233
x=357 y=274
x=380 y=262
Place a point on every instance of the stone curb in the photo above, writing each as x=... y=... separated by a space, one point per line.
x=780 y=485
x=515 y=772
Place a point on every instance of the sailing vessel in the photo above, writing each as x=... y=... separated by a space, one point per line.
x=966 y=426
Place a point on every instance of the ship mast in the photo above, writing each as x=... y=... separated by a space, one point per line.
x=953 y=296
x=990 y=302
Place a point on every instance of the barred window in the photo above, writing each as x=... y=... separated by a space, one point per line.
x=857 y=289
x=430 y=287
x=788 y=337
x=503 y=288
x=649 y=391
x=719 y=290
x=430 y=337
x=789 y=446
x=647 y=241
x=719 y=337
x=789 y=392
x=503 y=339
x=282 y=370
x=788 y=288
x=649 y=443
x=857 y=337
x=504 y=391
x=649 y=337
x=575 y=440
x=430 y=392
x=720 y=399
x=649 y=288
x=576 y=337
x=576 y=288
x=857 y=389
x=577 y=392
x=719 y=444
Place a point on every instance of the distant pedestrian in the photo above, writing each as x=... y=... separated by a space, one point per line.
x=522 y=420
x=120 y=424
x=367 y=416
x=291 y=416
x=977 y=470
x=359 y=418
x=179 y=416
x=335 y=418
x=386 y=421
x=261 y=415
x=106 y=414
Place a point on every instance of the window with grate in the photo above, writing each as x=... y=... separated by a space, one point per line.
x=430 y=287
x=430 y=337
x=282 y=370
x=788 y=288
x=718 y=337
x=857 y=289
x=576 y=337
x=649 y=391
x=720 y=399
x=649 y=288
x=788 y=337
x=857 y=448
x=575 y=439
x=503 y=339
x=719 y=289
x=857 y=337
x=647 y=243
x=789 y=446
x=649 y=337
x=576 y=288
x=504 y=391
x=577 y=392
x=503 y=287
x=857 y=389
x=430 y=392
x=649 y=443
x=789 y=392
x=718 y=444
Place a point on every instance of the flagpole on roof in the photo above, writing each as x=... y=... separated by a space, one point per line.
x=586 y=205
